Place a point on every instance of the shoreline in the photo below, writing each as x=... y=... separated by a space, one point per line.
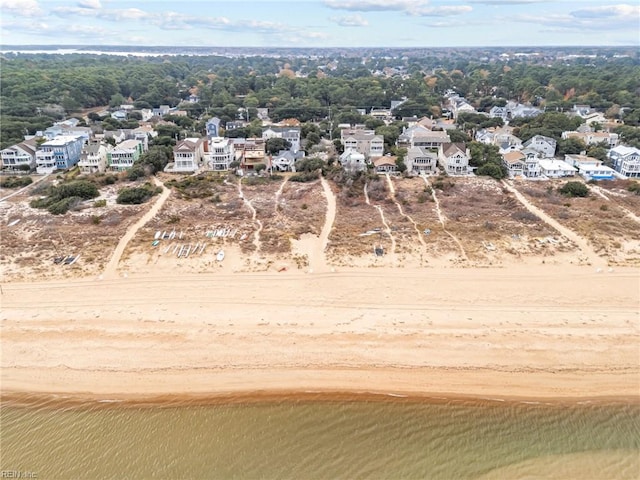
x=547 y=334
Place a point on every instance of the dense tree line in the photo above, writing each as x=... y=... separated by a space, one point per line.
x=36 y=89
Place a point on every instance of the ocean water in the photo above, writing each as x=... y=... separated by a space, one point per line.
x=316 y=438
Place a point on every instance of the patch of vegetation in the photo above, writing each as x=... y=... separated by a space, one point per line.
x=66 y=196
x=574 y=189
x=304 y=177
x=634 y=187
x=100 y=203
x=136 y=195
x=200 y=186
x=15 y=182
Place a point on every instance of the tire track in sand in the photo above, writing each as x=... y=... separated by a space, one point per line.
x=112 y=267
x=587 y=251
x=443 y=219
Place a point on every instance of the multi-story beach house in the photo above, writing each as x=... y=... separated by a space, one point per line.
x=188 y=156
x=251 y=152
x=59 y=153
x=545 y=145
x=290 y=134
x=454 y=158
x=221 y=154
x=93 y=158
x=353 y=161
x=369 y=145
x=421 y=161
x=626 y=160
x=21 y=156
x=124 y=155
x=213 y=127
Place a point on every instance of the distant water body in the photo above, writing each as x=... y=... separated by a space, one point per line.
x=319 y=438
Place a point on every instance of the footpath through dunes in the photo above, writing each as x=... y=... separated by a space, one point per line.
x=387 y=228
x=443 y=220
x=112 y=267
x=605 y=234
x=357 y=331
x=419 y=233
x=254 y=217
x=313 y=246
x=611 y=197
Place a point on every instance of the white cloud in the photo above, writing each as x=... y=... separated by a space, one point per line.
x=95 y=4
x=374 y=5
x=445 y=11
x=509 y=2
x=416 y=8
x=350 y=21
x=22 y=8
x=608 y=11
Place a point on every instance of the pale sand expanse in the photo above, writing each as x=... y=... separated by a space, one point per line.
x=523 y=331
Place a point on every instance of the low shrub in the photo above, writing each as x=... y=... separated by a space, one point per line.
x=15 y=182
x=574 y=189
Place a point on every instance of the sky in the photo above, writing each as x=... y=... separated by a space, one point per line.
x=320 y=23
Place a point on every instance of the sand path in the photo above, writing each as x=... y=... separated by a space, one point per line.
x=112 y=267
x=415 y=224
x=588 y=253
x=602 y=194
x=278 y=195
x=443 y=219
x=387 y=228
x=330 y=216
x=254 y=217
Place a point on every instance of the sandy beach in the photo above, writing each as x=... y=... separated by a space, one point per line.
x=518 y=332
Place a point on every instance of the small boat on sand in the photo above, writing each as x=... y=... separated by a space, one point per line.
x=220 y=256
x=157 y=235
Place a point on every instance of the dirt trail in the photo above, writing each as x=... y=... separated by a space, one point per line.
x=387 y=228
x=112 y=267
x=627 y=212
x=587 y=251
x=443 y=220
x=279 y=194
x=330 y=215
x=247 y=202
x=415 y=224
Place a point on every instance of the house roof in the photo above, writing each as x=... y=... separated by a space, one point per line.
x=421 y=152
x=386 y=160
x=549 y=164
x=449 y=149
x=513 y=157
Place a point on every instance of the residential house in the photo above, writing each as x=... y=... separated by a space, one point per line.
x=124 y=155
x=19 y=156
x=385 y=164
x=235 y=124
x=381 y=114
x=518 y=110
x=454 y=158
x=515 y=162
x=347 y=130
x=119 y=115
x=590 y=168
x=188 y=156
x=499 y=112
x=213 y=127
x=545 y=145
x=595 y=117
x=532 y=163
x=353 y=161
x=457 y=105
x=290 y=134
x=593 y=138
x=93 y=158
x=421 y=161
x=221 y=153
x=60 y=153
x=626 y=160
x=193 y=98
x=370 y=145
x=251 y=151
x=552 y=168
x=420 y=136
x=285 y=160
x=162 y=110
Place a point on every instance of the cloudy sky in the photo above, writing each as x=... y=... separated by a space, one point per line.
x=320 y=23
